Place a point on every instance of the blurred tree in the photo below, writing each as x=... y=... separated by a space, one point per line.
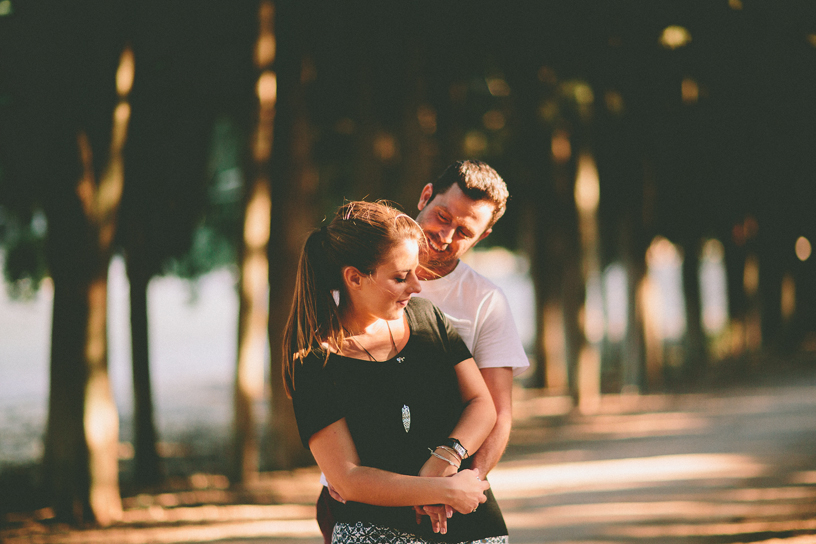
x=190 y=109
x=293 y=195
x=65 y=124
x=253 y=287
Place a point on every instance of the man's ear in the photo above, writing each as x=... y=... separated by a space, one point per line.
x=352 y=277
x=425 y=196
x=484 y=234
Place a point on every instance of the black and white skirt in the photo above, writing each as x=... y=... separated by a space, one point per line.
x=367 y=533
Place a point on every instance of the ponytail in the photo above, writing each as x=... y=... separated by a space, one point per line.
x=360 y=235
x=314 y=317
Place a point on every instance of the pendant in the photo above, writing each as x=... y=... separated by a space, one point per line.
x=406 y=417
x=400 y=359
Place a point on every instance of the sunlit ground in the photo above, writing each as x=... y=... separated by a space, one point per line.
x=729 y=467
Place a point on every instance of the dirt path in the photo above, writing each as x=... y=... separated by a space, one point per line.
x=733 y=466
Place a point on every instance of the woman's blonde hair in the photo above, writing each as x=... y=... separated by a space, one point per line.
x=361 y=234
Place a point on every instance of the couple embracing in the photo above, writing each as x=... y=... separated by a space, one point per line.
x=405 y=401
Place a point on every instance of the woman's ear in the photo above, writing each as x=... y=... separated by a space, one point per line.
x=353 y=278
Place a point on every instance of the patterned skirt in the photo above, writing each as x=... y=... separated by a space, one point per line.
x=367 y=533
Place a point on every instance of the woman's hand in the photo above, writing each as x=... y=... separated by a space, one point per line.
x=467 y=491
x=440 y=513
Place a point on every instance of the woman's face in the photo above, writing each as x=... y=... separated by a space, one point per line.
x=386 y=292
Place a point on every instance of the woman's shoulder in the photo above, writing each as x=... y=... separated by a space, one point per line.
x=427 y=319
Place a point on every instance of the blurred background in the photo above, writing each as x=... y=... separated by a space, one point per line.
x=162 y=162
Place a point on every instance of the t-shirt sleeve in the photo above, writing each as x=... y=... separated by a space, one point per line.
x=497 y=342
x=315 y=398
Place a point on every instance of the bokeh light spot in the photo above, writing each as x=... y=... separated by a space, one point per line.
x=803 y=248
x=674 y=37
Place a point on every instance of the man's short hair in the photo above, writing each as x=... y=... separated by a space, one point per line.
x=478 y=181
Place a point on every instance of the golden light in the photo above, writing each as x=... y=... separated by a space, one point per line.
x=788 y=297
x=587 y=185
x=493 y=120
x=124 y=74
x=689 y=90
x=267 y=88
x=561 y=147
x=674 y=37
x=265 y=46
x=426 y=116
x=803 y=248
x=583 y=94
x=538 y=480
x=6 y=8
x=475 y=142
x=498 y=86
x=811 y=38
x=735 y=4
x=614 y=102
x=750 y=276
x=257 y=217
x=385 y=146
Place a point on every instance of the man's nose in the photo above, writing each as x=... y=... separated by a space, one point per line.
x=446 y=234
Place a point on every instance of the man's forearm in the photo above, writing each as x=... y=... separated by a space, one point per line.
x=492 y=449
x=499 y=381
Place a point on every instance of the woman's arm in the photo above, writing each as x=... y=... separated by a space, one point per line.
x=479 y=415
x=336 y=455
x=476 y=422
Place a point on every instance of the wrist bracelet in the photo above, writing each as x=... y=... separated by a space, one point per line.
x=451 y=463
x=456 y=445
x=451 y=451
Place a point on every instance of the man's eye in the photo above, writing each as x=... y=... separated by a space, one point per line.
x=443 y=218
x=401 y=280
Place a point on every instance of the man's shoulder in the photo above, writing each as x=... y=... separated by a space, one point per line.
x=466 y=274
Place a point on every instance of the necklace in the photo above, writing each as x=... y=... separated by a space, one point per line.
x=393 y=343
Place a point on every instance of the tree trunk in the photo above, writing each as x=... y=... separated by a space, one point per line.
x=293 y=192
x=253 y=284
x=696 y=356
x=147 y=465
x=252 y=328
x=81 y=461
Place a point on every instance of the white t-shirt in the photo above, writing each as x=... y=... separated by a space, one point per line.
x=479 y=311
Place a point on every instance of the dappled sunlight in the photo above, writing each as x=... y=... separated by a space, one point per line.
x=207 y=532
x=630 y=426
x=620 y=512
x=691 y=530
x=530 y=481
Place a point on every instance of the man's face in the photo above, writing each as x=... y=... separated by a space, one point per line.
x=452 y=223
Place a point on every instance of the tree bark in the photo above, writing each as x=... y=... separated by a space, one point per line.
x=293 y=192
x=147 y=465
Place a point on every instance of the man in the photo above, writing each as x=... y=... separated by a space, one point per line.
x=456 y=212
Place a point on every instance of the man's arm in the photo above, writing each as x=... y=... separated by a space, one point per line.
x=499 y=382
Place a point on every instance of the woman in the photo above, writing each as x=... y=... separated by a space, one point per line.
x=386 y=395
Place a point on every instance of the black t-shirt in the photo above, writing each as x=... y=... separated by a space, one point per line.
x=395 y=411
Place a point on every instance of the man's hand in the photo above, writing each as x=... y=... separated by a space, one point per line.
x=438 y=513
x=334 y=494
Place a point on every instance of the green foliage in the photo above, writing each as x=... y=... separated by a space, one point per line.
x=216 y=238
x=24 y=265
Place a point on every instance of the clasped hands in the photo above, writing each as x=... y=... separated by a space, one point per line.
x=469 y=491
x=469 y=486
